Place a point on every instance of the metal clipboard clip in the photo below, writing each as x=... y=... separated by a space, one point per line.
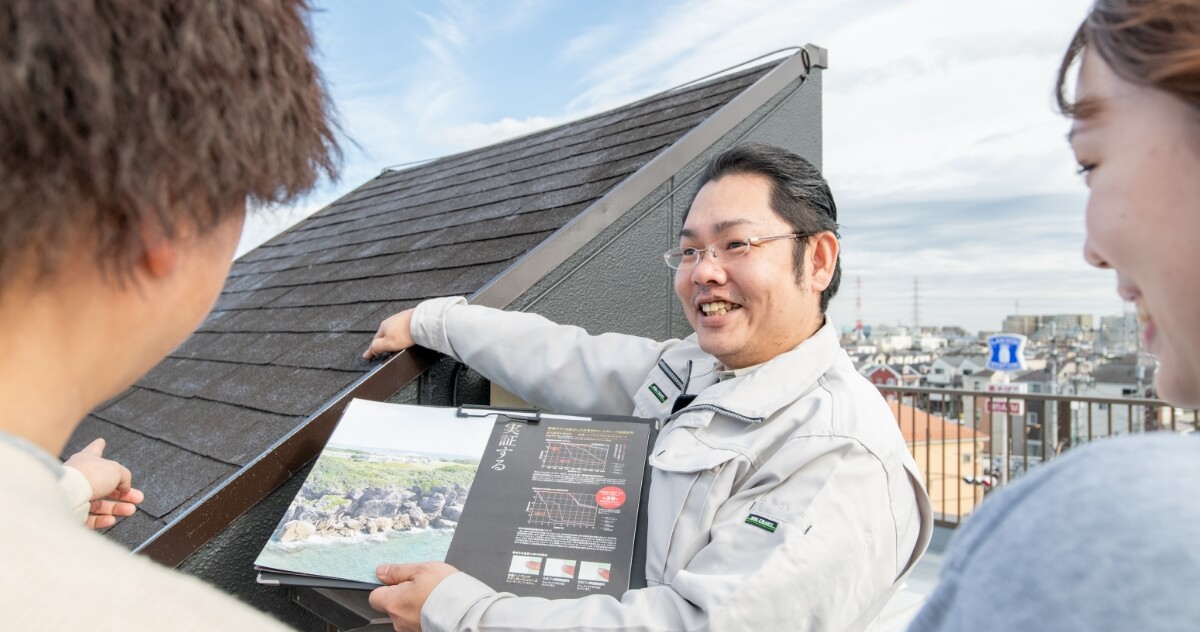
x=528 y=415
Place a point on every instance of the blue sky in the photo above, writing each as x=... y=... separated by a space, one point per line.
x=942 y=146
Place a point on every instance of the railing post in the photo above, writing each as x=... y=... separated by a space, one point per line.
x=1064 y=425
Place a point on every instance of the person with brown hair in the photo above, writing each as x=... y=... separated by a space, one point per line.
x=132 y=137
x=1108 y=536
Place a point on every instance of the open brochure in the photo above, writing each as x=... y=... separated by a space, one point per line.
x=529 y=503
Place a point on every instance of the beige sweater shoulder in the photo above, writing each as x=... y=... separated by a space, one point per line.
x=58 y=575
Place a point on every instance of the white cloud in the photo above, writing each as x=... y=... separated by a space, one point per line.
x=591 y=43
x=482 y=134
x=913 y=86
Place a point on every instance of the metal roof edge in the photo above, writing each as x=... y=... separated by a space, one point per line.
x=555 y=249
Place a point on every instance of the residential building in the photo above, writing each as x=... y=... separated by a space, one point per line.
x=1118 y=335
x=948 y=454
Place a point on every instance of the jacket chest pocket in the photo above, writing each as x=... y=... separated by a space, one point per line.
x=690 y=482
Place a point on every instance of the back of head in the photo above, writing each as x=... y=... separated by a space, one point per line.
x=799 y=194
x=1152 y=43
x=118 y=114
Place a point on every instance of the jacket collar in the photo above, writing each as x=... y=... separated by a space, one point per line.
x=758 y=394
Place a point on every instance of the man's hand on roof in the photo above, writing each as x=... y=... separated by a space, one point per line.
x=112 y=491
x=393 y=335
x=407 y=587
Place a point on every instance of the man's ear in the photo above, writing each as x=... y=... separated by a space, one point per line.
x=824 y=249
x=160 y=256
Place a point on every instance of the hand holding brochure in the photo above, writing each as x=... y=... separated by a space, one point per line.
x=529 y=503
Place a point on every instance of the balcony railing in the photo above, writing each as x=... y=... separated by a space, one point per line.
x=969 y=443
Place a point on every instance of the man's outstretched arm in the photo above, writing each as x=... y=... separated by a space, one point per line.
x=558 y=367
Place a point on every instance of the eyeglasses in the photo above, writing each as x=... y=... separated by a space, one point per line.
x=727 y=249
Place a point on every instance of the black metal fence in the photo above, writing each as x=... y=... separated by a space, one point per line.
x=969 y=443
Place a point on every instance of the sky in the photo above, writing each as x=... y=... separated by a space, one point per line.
x=948 y=161
x=368 y=424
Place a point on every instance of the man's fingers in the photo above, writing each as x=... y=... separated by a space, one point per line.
x=109 y=507
x=393 y=335
x=371 y=351
x=382 y=596
x=100 y=522
x=133 y=495
x=396 y=573
x=124 y=509
x=102 y=507
x=96 y=447
x=126 y=483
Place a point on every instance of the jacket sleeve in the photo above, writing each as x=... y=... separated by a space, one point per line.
x=558 y=367
x=827 y=554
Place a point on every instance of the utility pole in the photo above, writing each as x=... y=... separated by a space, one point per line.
x=1052 y=410
x=858 y=326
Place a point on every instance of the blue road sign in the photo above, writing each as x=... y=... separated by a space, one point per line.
x=1007 y=352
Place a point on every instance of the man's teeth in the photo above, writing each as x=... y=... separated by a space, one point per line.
x=717 y=308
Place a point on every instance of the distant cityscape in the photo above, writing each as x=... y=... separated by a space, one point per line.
x=973 y=427
x=1065 y=354
x=1115 y=336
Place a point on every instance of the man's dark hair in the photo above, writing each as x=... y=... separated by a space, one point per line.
x=799 y=195
x=114 y=114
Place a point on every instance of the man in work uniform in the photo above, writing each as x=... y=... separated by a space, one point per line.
x=782 y=494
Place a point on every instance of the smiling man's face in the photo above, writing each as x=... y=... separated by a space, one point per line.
x=756 y=306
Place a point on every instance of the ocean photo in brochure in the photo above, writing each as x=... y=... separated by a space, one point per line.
x=389 y=486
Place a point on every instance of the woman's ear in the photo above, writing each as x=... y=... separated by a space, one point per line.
x=824 y=249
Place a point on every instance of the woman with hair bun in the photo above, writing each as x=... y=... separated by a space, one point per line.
x=1108 y=537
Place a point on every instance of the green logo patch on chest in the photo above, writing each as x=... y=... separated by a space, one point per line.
x=762 y=523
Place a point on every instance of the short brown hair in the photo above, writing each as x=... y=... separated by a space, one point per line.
x=117 y=112
x=1153 y=43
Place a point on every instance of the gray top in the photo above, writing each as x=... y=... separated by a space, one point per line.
x=1105 y=538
